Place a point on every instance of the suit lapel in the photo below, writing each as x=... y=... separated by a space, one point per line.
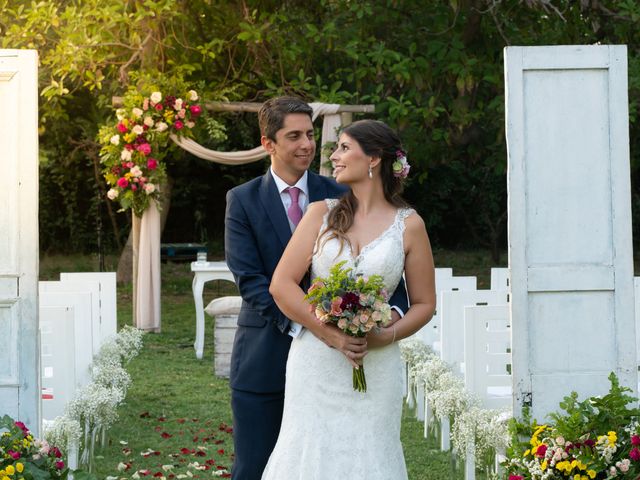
x=270 y=199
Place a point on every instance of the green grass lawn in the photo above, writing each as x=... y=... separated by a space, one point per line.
x=177 y=412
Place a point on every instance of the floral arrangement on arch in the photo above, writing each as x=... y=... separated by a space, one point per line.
x=597 y=438
x=133 y=146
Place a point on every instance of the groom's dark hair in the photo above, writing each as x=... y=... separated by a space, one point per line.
x=272 y=113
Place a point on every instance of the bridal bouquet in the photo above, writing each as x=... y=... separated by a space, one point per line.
x=354 y=303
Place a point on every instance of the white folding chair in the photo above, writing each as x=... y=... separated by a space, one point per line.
x=58 y=362
x=107 y=298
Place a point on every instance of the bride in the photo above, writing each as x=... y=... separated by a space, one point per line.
x=328 y=429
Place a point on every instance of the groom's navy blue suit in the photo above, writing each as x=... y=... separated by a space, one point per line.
x=256 y=233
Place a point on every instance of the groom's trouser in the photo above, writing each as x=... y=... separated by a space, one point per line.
x=256 y=424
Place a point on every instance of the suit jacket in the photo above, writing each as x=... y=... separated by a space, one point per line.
x=256 y=234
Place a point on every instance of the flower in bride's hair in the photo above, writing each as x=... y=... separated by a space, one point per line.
x=401 y=166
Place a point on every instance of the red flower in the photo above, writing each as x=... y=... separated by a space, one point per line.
x=195 y=110
x=516 y=477
x=14 y=455
x=123 y=182
x=134 y=187
x=158 y=106
x=166 y=435
x=178 y=125
x=349 y=300
x=541 y=450
x=152 y=164
x=59 y=464
x=634 y=454
x=56 y=452
x=635 y=440
x=121 y=128
x=145 y=149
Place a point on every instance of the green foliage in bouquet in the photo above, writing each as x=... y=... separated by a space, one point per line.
x=597 y=438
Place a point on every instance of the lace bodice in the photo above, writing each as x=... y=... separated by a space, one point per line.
x=384 y=255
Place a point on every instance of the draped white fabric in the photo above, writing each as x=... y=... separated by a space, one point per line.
x=147 y=304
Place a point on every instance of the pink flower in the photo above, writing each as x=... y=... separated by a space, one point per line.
x=14 y=455
x=634 y=454
x=145 y=104
x=195 y=110
x=516 y=477
x=635 y=440
x=22 y=427
x=123 y=182
x=182 y=113
x=315 y=286
x=121 y=128
x=152 y=163
x=134 y=187
x=335 y=306
x=144 y=148
x=158 y=106
x=178 y=125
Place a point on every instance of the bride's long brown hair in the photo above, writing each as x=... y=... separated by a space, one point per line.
x=376 y=139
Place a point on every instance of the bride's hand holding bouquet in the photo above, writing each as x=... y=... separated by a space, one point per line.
x=353 y=303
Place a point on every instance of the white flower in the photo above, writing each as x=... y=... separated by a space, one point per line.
x=120 y=114
x=135 y=171
x=112 y=194
x=137 y=112
x=161 y=126
x=148 y=121
x=115 y=140
x=193 y=96
x=166 y=468
x=138 y=130
x=178 y=104
x=62 y=432
x=190 y=124
x=121 y=467
x=149 y=188
x=125 y=155
x=156 y=97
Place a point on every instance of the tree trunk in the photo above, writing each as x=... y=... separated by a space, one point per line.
x=125 y=264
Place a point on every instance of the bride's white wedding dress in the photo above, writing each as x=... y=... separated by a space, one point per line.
x=328 y=429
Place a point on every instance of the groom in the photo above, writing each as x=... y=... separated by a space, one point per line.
x=260 y=216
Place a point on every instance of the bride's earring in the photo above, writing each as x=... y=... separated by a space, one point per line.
x=370 y=172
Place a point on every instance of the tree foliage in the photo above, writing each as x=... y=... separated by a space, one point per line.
x=434 y=70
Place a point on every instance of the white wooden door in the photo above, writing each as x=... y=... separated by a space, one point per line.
x=19 y=355
x=570 y=248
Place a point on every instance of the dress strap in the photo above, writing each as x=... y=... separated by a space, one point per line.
x=402 y=215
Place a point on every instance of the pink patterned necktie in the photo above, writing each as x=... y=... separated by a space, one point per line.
x=294 y=212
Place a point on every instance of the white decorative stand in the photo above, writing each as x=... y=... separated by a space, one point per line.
x=205 y=272
x=570 y=249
